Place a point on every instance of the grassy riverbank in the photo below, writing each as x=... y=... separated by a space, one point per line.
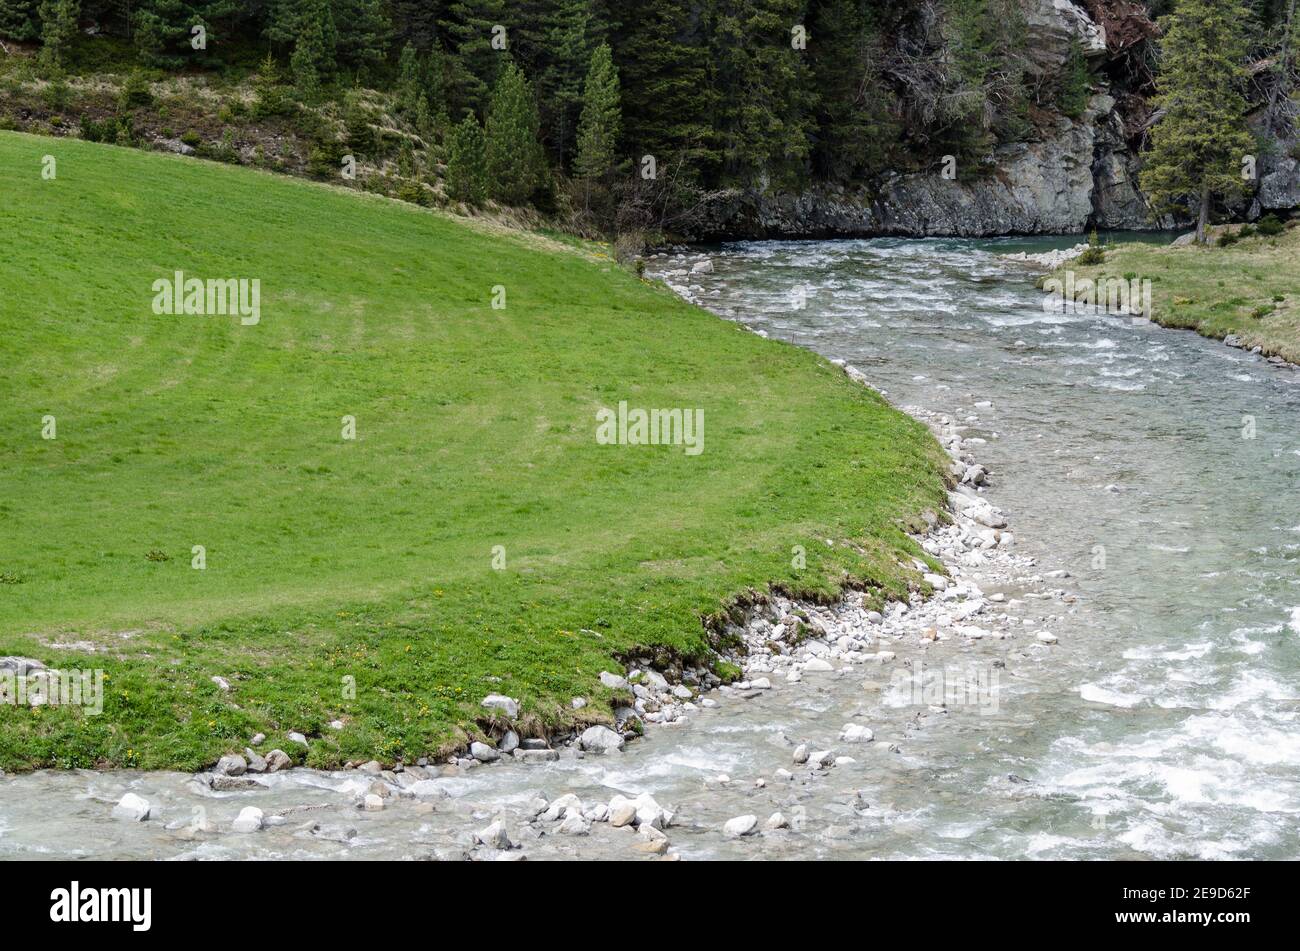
x=373 y=558
x=1250 y=288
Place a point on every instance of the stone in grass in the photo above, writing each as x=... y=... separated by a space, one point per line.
x=298 y=738
x=133 y=808
x=613 y=681
x=507 y=705
x=248 y=820
x=741 y=826
x=600 y=739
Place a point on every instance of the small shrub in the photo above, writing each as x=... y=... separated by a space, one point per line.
x=1247 y=231
x=1094 y=254
x=1226 y=240
x=57 y=94
x=1270 y=226
x=154 y=554
x=135 y=91
x=98 y=131
x=1259 y=313
x=191 y=138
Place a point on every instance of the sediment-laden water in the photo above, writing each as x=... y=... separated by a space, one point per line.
x=1160 y=469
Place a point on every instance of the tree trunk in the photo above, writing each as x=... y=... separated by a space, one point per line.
x=1203 y=221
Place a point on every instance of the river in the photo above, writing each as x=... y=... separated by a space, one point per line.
x=1158 y=468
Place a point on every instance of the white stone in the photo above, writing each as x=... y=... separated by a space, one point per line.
x=231 y=765
x=373 y=803
x=855 y=733
x=650 y=813
x=600 y=739
x=248 y=820
x=559 y=807
x=741 y=826
x=494 y=836
x=575 y=824
x=775 y=821
x=483 y=753
x=622 y=812
x=132 y=807
x=496 y=701
x=613 y=681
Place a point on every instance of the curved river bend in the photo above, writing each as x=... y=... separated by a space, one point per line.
x=1165 y=723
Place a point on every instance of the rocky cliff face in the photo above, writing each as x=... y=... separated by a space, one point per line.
x=1079 y=173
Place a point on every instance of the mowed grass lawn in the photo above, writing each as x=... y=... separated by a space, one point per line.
x=373 y=558
x=1251 y=288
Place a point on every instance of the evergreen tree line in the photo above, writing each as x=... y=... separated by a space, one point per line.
x=710 y=92
x=730 y=91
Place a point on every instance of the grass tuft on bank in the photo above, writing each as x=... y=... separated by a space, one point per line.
x=1249 y=287
x=332 y=562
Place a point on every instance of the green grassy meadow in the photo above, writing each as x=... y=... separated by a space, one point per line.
x=1251 y=288
x=372 y=558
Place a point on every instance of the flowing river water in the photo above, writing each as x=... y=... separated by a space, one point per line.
x=1160 y=469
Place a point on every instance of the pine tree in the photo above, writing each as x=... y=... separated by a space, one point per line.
x=466 y=163
x=1199 y=144
x=515 y=164
x=18 y=19
x=363 y=32
x=471 y=26
x=271 y=98
x=433 y=76
x=662 y=57
x=58 y=29
x=763 y=89
x=410 y=85
x=601 y=119
x=553 y=43
x=852 y=108
x=1076 y=82
x=308 y=57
